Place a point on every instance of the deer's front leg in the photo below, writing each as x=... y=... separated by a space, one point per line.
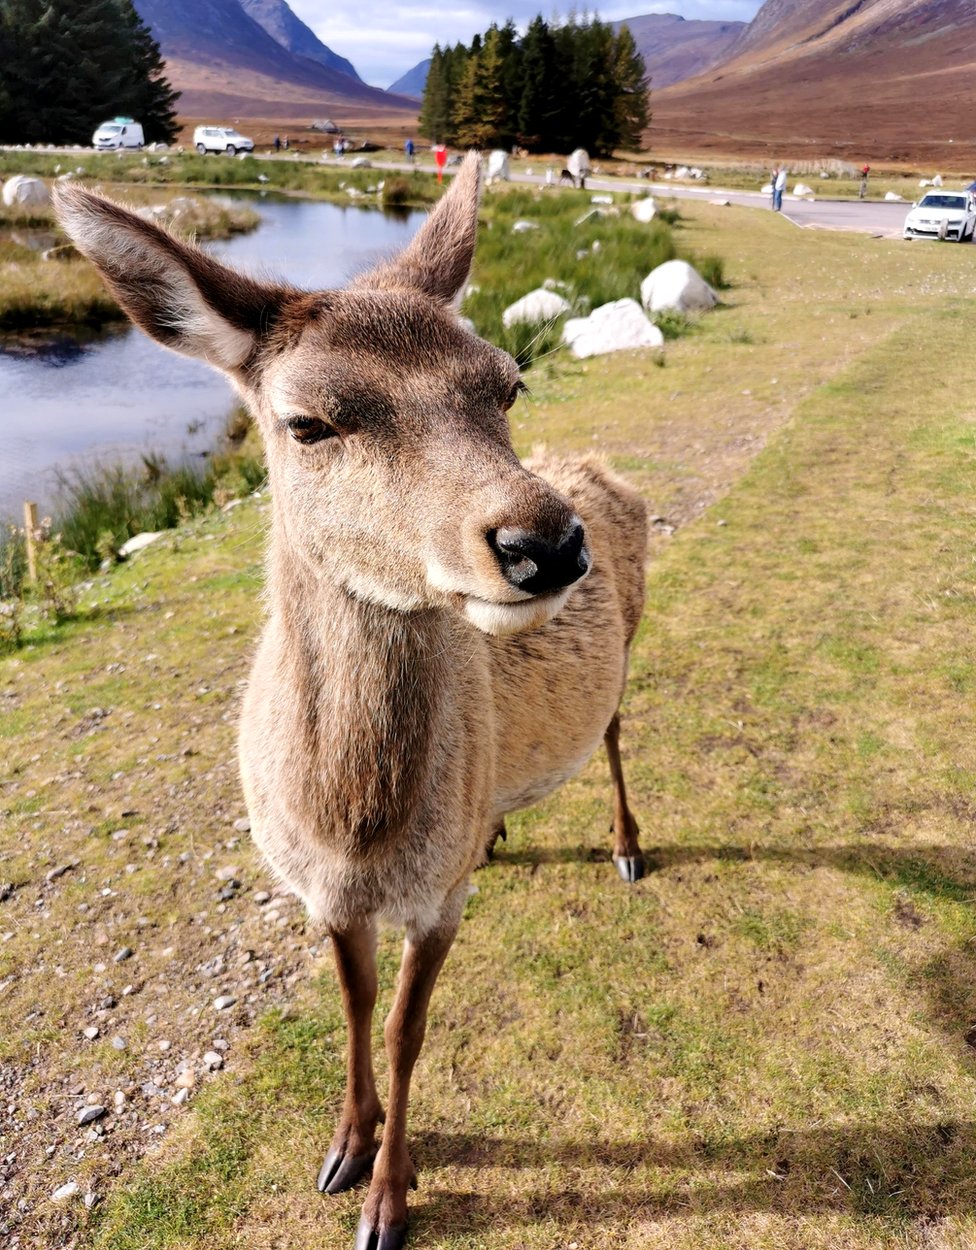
x=353 y=1148
x=627 y=854
x=383 y=1225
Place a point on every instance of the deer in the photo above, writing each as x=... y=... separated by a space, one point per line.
x=447 y=631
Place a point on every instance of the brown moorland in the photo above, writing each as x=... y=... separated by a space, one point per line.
x=880 y=80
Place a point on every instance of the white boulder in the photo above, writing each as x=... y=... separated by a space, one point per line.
x=767 y=189
x=520 y=227
x=937 y=180
x=25 y=191
x=675 y=284
x=617 y=327
x=893 y=195
x=361 y=162
x=802 y=189
x=601 y=199
x=138 y=541
x=538 y=305
x=644 y=210
x=497 y=166
x=578 y=163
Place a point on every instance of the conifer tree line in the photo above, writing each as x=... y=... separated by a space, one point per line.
x=66 y=66
x=558 y=87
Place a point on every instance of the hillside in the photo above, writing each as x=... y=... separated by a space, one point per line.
x=875 y=80
x=290 y=31
x=412 y=83
x=226 y=64
x=675 y=48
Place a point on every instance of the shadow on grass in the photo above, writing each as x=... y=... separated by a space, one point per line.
x=943 y=873
x=914 y=1171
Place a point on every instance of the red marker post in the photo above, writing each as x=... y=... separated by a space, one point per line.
x=440 y=156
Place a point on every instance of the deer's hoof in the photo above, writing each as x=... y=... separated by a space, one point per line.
x=340 y=1171
x=630 y=867
x=393 y=1237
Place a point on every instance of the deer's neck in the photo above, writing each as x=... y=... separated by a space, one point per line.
x=371 y=696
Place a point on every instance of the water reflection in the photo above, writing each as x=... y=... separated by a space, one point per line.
x=116 y=394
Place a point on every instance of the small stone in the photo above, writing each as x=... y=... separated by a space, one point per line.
x=180 y=1097
x=227 y=873
x=186 y=1080
x=119 y=1043
x=213 y=1060
x=122 y=955
x=91 y=1032
x=107 y=1003
x=66 y=1191
x=243 y=825
x=91 y=1199
x=262 y=896
x=119 y=1098
x=163 y=1044
x=224 y=1001
x=89 y=1114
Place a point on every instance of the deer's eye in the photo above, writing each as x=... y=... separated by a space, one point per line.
x=514 y=393
x=306 y=430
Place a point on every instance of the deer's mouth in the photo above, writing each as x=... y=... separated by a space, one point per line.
x=501 y=618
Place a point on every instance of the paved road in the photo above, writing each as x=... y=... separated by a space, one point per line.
x=867 y=216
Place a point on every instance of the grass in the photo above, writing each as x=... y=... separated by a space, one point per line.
x=763 y=1045
x=38 y=294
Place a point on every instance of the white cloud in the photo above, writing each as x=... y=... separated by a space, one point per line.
x=383 y=41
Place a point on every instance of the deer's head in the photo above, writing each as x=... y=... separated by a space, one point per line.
x=383 y=418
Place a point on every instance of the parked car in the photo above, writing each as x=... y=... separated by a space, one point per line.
x=120 y=132
x=942 y=215
x=221 y=139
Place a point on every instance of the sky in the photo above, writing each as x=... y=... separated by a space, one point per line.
x=384 y=40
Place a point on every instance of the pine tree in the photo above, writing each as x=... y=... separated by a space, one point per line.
x=632 y=113
x=73 y=65
x=434 y=110
x=151 y=98
x=480 y=109
x=539 y=101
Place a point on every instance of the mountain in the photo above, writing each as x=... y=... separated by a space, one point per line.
x=859 y=79
x=413 y=81
x=290 y=31
x=674 y=47
x=227 y=65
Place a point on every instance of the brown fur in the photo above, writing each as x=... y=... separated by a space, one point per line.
x=406 y=694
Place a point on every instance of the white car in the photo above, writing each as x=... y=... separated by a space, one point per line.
x=120 y=132
x=942 y=215
x=221 y=139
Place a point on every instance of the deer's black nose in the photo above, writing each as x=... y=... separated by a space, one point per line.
x=535 y=565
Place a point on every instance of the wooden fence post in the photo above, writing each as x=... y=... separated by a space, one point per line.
x=30 y=526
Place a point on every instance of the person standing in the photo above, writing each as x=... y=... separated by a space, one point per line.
x=779 y=186
x=863 y=189
x=408 y=149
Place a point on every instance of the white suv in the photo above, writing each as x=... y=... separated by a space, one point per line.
x=942 y=215
x=221 y=139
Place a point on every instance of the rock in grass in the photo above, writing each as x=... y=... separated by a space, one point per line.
x=88 y=1115
x=213 y=1060
x=24 y=190
x=137 y=542
x=91 y=1032
x=69 y=1190
x=539 y=305
x=618 y=326
x=224 y=1001
x=675 y=284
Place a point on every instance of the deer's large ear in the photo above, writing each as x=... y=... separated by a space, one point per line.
x=439 y=257
x=178 y=294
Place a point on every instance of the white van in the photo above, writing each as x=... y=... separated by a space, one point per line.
x=221 y=139
x=120 y=132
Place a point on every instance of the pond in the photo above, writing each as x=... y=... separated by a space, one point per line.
x=117 y=394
